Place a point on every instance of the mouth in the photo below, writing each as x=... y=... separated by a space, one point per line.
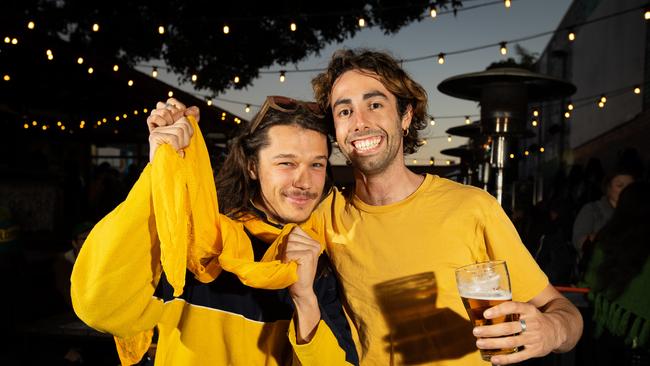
x=300 y=199
x=366 y=144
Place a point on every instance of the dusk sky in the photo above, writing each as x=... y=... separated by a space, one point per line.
x=446 y=33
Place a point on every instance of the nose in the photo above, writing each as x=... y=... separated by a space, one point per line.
x=302 y=179
x=360 y=120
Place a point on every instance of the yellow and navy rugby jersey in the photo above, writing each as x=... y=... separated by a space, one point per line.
x=241 y=325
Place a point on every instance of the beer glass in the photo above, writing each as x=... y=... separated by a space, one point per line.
x=482 y=286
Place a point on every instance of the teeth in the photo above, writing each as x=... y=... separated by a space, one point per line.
x=367 y=144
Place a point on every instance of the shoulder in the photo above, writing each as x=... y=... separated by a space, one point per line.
x=463 y=196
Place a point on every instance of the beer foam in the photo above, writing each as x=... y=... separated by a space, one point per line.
x=493 y=295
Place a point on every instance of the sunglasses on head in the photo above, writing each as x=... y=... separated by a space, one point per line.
x=285 y=105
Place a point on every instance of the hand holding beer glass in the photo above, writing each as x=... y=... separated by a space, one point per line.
x=482 y=286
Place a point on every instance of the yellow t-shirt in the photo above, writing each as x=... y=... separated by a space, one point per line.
x=443 y=225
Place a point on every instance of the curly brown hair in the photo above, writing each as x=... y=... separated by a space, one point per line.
x=391 y=75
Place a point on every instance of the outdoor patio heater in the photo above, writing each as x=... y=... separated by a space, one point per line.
x=504 y=94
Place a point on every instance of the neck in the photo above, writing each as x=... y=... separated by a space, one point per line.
x=389 y=186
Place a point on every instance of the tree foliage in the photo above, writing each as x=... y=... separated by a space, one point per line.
x=194 y=41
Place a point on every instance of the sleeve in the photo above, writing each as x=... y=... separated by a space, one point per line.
x=582 y=226
x=503 y=243
x=332 y=343
x=118 y=268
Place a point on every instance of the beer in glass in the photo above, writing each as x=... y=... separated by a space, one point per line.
x=482 y=286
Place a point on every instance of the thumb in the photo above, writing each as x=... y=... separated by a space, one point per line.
x=194 y=112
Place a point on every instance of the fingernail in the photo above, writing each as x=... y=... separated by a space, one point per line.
x=487 y=313
x=476 y=331
x=480 y=343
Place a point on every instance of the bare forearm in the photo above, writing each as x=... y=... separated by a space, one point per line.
x=307 y=318
x=567 y=323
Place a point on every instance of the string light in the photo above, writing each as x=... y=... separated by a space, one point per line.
x=91 y=70
x=26 y=126
x=433 y=12
x=154 y=72
x=116 y=68
x=362 y=22
x=247 y=109
x=646 y=14
x=44 y=127
x=236 y=80
x=432 y=122
x=170 y=94
x=34 y=123
x=130 y=83
x=293 y=27
x=534 y=123
x=6 y=77
x=535 y=113
x=572 y=36
x=194 y=77
x=448 y=162
x=415 y=161
x=124 y=115
x=441 y=58
x=282 y=76
x=31 y=25
x=104 y=120
x=637 y=90
x=512 y=156
x=7 y=40
x=117 y=118
x=95 y=27
x=62 y=128
x=570 y=106
x=601 y=104
x=226 y=29
x=467 y=121
x=448 y=138
x=526 y=153
x=14 y=41
x=161 y=29
x=135 y=112
x=58 y=124
x=502 y=48
x=541 y=149
x=209 y=101
x=603 y=99
x=430 y=161
x=507 y=3
x=145 y=111
x=567 y=115
x=80 y=60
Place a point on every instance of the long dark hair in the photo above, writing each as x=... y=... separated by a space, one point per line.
x=625 y=240
x=391 y=75
x=235 y=188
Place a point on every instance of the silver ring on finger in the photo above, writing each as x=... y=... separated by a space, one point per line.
x=522 y=322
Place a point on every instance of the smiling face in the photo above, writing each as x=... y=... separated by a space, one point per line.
x=291 y=171
x=368 y=125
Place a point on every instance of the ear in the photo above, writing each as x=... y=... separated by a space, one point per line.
x=407 y=117
x=252 y=170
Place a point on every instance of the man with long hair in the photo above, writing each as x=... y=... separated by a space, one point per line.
x=396 y=223
x=230 y=305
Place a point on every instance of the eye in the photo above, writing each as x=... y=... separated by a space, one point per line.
x=286 y=163
x=344 y=113
x=318 y=165
x=375 y=105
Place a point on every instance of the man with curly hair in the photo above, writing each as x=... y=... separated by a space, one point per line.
x=396 y=223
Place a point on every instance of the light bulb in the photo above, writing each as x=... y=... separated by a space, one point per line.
x=95 y=27
x=226 y=29
x=31 y=25
x=161 y=30
x=441 y=58
x=362 y=22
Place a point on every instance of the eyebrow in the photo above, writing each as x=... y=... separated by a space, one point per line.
x=292 y=156
x=366 y=96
